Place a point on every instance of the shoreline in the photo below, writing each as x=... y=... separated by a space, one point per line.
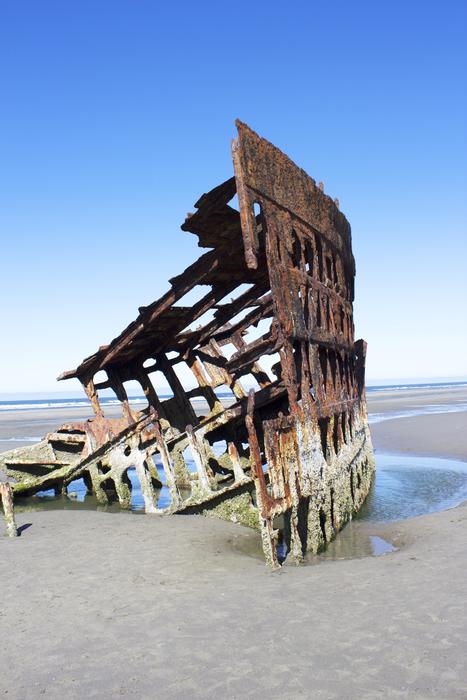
x=180 y=607
x=37 y=422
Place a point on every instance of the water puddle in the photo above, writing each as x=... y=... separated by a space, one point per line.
x=404 y=487
x=78 y=498
x=353 y=542
x=380 y=546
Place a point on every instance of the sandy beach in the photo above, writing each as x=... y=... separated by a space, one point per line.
x=107 y=605
x=436 y=434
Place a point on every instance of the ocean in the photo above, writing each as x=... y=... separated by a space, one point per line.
x=82 y=402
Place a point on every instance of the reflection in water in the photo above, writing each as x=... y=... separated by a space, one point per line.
x=404 y=487
x=380 y=546
x=353 y=541
x=77 y=498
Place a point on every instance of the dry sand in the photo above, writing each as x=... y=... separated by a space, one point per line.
x=107 y=605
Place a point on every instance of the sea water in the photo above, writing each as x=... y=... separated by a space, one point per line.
x=24 y=403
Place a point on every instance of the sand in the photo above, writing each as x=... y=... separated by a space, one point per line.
x=440 y=435
x=107 y=605
x=435 y=434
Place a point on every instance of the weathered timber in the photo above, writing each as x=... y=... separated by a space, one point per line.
x=8 y=511
x=280 y=440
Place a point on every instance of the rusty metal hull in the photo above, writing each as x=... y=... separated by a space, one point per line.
x=271 y=328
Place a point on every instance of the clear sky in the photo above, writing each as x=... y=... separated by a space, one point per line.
x=115 y=117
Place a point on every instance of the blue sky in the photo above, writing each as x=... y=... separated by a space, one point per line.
x=116 y=116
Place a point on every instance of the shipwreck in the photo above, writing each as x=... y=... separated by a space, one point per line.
x=271 y=328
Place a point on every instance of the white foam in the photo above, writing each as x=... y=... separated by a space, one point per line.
x=421 y=411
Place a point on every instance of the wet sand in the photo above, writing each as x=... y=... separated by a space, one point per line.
x=437 y=435
x=113 y=605
x=433 y=434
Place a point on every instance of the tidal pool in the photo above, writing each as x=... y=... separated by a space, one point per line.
x=403 y=487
